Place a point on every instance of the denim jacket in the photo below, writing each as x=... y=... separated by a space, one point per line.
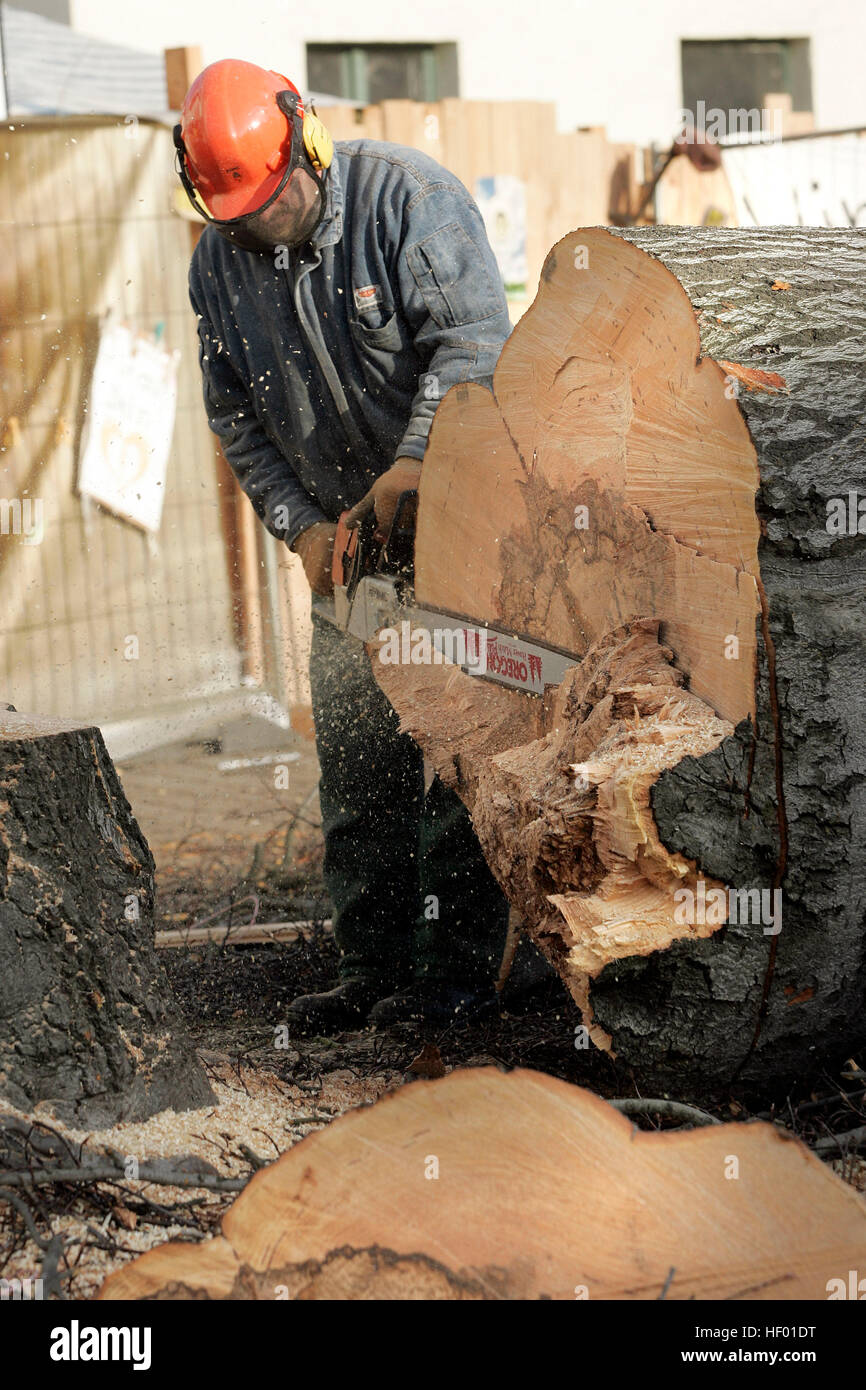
x=323 y=365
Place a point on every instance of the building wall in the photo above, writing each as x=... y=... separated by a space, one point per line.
x=60 y=11
x=616 y=64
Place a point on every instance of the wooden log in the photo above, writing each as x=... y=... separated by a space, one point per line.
x=90 y=1028
x=681 y=824
x=464 y=1188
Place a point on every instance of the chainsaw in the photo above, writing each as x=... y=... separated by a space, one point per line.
x=374 y=594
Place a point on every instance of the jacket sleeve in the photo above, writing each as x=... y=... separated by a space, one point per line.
x=454 y=299
x=278 y=497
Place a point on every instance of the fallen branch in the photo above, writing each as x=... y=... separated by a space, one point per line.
x=674 y=1109
x=853 y=1139
x=251 y=933
x=838 y=1096
x=293 y=823
x=50 y=1250
x=107 y=1172
x=26 y=1216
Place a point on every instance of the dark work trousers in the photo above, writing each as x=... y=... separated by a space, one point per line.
x=412 y=894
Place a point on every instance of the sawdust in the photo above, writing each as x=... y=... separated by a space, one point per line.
x=255 y=1110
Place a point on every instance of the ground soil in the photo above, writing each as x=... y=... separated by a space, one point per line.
x=232 y=846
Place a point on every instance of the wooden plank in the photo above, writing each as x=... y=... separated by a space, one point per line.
x=294 y=600
x=344 y=122
x=252 y=615
x=452 y=135
x=182 y=66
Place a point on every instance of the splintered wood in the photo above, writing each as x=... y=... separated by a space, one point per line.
x=600 y=499
x=464 y=1189
x=560 y=794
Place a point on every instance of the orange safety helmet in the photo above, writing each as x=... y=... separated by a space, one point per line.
x=243 y=131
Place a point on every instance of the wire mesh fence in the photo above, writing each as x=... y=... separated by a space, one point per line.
x=87 y=229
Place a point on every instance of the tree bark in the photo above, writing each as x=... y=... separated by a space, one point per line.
x=89 y=1025
x=664 y=518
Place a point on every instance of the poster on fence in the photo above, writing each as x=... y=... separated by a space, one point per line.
x=502 y=203
x=129 y=425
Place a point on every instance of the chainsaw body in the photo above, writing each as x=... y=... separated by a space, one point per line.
x=373 y=578
x=365 y=553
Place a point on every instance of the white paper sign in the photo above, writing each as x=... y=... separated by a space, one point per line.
x=130 y=419
x=800 y=183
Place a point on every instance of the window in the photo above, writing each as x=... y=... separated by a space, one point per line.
x=731 y=74
x=367 y=73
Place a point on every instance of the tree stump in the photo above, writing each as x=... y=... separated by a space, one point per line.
x=89 y=1025
x=681 y=822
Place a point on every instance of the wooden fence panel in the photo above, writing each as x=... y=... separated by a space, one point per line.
x=572 y=180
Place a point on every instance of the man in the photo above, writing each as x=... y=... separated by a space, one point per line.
x=339 y=293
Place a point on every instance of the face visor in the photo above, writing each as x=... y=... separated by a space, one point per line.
x=298 y=158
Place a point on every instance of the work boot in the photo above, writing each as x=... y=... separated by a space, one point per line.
x=437 y=1002
x=334 y=1011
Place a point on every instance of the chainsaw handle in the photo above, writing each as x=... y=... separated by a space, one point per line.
x=398 y=547
x=352 y=549
x=345 y=545
x=407 y=502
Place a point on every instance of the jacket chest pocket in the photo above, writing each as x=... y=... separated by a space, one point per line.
x=385 y=337
x=453 y=275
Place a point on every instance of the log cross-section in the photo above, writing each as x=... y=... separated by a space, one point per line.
x=661 y=820
x=482 y=1186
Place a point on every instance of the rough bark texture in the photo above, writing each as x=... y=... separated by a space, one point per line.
x=87 y=1021
x=731 y=999
x=486 y=1186
x=744 y=773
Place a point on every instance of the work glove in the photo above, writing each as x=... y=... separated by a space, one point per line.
x=316 y=548
x=402 y=476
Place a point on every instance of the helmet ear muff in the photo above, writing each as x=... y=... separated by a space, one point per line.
x=317 y=141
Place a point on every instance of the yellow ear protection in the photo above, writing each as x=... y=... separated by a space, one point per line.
x=317 y=141
x=315 y=135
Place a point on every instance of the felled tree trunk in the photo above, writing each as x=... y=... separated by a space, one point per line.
x=464 y=1189
x=681 y=823
x=89 y=1025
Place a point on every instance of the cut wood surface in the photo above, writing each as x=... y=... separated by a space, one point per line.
x=619 y=496
x=601 y=402
x=485 y=1186
x=89 y=1025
